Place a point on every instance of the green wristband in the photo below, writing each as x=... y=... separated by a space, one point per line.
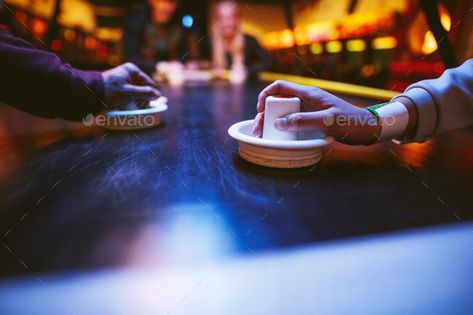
x=373 y=109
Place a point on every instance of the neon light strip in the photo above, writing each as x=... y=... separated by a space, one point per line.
x=333 y=86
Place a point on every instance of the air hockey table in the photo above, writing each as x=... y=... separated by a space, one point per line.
x=172 y=221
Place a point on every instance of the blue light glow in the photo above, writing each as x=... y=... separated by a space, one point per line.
x=187 y=21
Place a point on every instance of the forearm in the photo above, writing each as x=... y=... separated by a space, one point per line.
x=409 y=132
x=38 y=82
x=440 y=105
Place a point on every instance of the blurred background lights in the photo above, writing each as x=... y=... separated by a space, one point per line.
x=187 y=21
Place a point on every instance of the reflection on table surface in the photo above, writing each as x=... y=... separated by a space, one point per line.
x=400 y=273
x=178 y=196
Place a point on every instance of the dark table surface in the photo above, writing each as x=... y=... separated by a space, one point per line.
x=75 y=198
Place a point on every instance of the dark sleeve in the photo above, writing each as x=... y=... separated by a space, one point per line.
x=133 y=31
x=37 y=82
x=257 y=58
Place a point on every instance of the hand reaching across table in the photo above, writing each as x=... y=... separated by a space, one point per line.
x=425 y=108
x=38 y=82
x=126 y=84
x=320 y=111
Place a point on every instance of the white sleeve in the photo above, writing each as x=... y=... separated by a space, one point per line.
x=443 y=104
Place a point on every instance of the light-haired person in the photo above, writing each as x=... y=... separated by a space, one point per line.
x=232 y=49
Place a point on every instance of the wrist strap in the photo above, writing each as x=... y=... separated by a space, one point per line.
x=393 y=118
x=373 y=111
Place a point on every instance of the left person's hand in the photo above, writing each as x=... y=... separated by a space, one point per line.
x=127 y=84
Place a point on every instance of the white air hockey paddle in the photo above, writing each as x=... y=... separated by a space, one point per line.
x=304 y=152
x=135 y=119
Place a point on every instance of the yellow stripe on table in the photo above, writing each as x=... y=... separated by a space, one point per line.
x=333 y=86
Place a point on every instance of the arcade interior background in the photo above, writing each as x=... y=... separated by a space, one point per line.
x=378 y=43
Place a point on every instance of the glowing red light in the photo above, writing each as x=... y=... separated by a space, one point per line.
x=21 y=16
x=39 y=27
x=56 y=45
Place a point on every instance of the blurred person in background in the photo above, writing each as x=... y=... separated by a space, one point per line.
x=154 y=33
x=233 y=50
